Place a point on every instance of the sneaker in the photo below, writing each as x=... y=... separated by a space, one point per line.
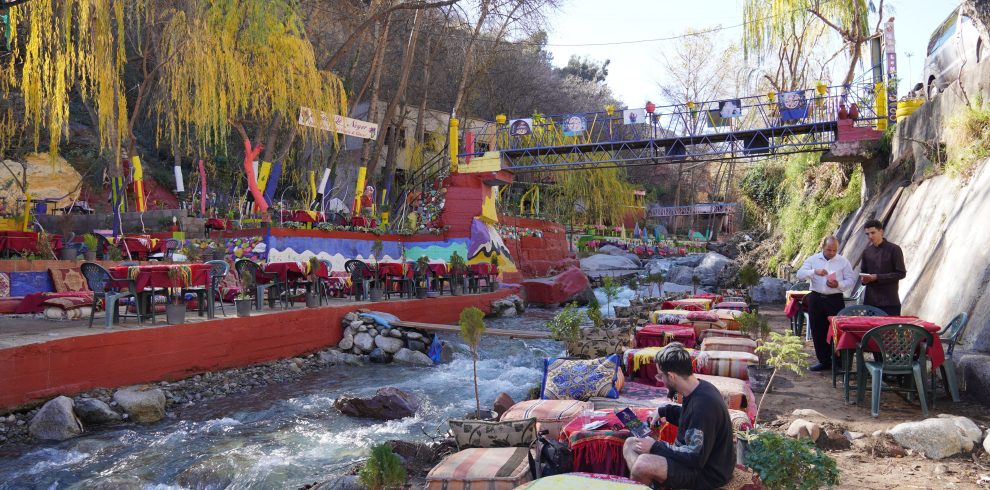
x=820 y=367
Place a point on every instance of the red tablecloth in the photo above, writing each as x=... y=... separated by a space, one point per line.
x=795 y=299
x=600 y=450
x=156 y=276
x=363 y=222
x=286 y=270
x=21 y=241
x=484 y=269
x=303 y=216
x=216 y=224
x=439 y=270
x=716 y=298
x=688 y=304
x=848 y=331
x=661 y=335
x=141 y=246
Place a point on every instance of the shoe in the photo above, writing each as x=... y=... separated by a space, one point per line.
x=820 y=367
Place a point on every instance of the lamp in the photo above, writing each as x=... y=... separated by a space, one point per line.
x=772 y=96
x=650 y=107
x=500 y=118
x=610 y=110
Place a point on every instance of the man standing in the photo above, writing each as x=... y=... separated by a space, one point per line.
x=703 y=455
x=882 y=268
x=829 y=274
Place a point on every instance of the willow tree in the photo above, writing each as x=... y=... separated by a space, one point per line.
x=238 y=64
x=769 y=24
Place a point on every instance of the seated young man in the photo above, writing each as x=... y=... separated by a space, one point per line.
x=703 y=456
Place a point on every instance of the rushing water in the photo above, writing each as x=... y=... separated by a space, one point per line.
x=284 y=436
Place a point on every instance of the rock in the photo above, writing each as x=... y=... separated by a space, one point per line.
x=603 y=262
x=143 y=404
x=389 y=344
x=680 y=274
x=378 y=356
x=417 y=457
x=349 y=330
x=446 y=353
x=357 y=324
x=852 y=436
x=940 y=469
x=350 y=316
x=986 y=442
x=416 y=345
x=562 y=288
x=412 y=357
x=94 y=412
x=412 y=335
x=347 y=342
x=56 y=421
x=770 y=290
x=395 y=333
x=716 y=269
x=802 y=429
x=502 y=403
x=362 y=328
x=508 y=312
x=364 y=342
x=939 y=437
x=807 y=413
x=346 y=482
x=833 y=439
x=611 y=250
x=658 y=266
x=884 y=446
x=387 y=404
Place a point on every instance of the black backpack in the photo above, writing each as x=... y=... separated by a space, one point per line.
x=552 y=457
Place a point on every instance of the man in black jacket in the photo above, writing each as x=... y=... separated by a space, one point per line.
x=703 y=456
x=881 y=269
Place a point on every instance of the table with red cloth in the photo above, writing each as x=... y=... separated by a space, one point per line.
x=793 y=302
x=216 y=224
x=286 y=271
x=303 y=216
x=733 y=305
x=640 y=363
x=687 y=303
x=600 y=450
x=848 y=331
x=390 y=273
x=363 y=222
x=716 y=298
x=661 y=335
x=156 y=276
x=140 y=247
x=13 y=241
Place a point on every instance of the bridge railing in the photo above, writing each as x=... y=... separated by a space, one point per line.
x=817 y=108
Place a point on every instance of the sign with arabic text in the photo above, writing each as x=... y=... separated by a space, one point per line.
x=341 y=124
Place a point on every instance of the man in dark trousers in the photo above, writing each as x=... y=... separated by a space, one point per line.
x=829 y=274
x=881 y=269
x=703 y=456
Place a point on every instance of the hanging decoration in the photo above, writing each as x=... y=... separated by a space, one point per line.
x=138 y=175
x=202 y=188
x=272 y=184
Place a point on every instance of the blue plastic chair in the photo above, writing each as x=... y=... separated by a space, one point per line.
x=950 y=336
x=902 y=348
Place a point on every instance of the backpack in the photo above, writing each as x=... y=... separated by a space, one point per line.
x=552 y=457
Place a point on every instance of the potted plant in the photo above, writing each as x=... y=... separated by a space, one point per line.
x=595 y=312
x=175 y=310
x=610 y=287
x=566 y=325
x=748 y=277
x=458 y=269
x=472 y=323
x=758 y=328
x=788 y=463
x=242 y=302
x=91 y=243
x=65 y=228
x=383 y=469
x=493 y=284
x=422 y=278
x=779 y=352
x=312 y=296
x=657 y=279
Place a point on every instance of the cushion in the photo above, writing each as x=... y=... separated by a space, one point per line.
x=702 y=316
x=733 y=344
x=580 y=379
x=726 y=363
x=482 y=433
x=743 y=478
x=551 y=415
x=584 y=481
x=501 y=468
x=740 y=420
x=710 y=333
x=667 y=317
x=600 y=342
x=59 y=313
x=661 y=335
x=736 y=392
x=68 y=280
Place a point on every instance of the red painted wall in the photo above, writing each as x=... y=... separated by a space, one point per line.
x=36 y=372
x=538 y=256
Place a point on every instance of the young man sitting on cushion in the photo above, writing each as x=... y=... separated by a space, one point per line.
x=703 y=456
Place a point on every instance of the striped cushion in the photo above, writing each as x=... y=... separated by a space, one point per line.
x=551 y=415
x=728 y=364
x=710 y=333
x=488 y=468
x=736 y=393
x=729 y=344
x=661 y=335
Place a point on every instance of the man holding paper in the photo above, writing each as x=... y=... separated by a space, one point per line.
x=882 y=268
x=829 y=274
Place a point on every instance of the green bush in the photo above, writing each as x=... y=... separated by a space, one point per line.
x=968 y=139
x=786 y=463
x=595 y=312
x=566 y=325
x=383 y=469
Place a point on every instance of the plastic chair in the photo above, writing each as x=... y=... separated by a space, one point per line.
x=950 y=335
x=98 y=279
x=323 y=283
x=902 y=348
x=362 y=278
x=218 y=270
x=853 y=310
x=856 y=298
x=249 y=271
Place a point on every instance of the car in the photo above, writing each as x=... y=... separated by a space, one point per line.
x=955 y=44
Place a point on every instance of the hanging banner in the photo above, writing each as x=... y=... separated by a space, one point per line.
x=272 y=184
x=634 y=116
x=341 y=124
x=320 y=191
x=179 y=185
x=202 y=189
x=521 y=127
x=890 y=56
x=574 y=125
x=359 y=190
x=792 y=105
x=138 y=175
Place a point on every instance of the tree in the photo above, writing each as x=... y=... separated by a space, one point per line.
x=472 y=325
x=586 y=69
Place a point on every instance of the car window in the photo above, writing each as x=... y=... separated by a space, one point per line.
x=943 y=33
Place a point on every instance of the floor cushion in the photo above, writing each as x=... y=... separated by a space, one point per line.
x=502 y=468
x=483 y=433
x=634 y=394
x=703 y=316
x=733 y=305
x=580 y=379
x=68 y=280
x=726 y=363
x=584 y=481
x=551 y=415
x=68 y=308
x=729 y=317
x=661 y=335
x=736 y=393
x=704 y=335
x=737 y=344
x=661 y=317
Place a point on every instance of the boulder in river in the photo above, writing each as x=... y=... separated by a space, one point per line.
x=387 y=404
x=143 y=404
x=414 y=357
x=92 y=411
x=56 y=421
x=567 y=286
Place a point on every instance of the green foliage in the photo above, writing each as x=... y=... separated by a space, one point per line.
x=754 y=325
x=748 y=276
x=968 y=139
x=786 y=463
x=472 y=322
x=762 y=184
x=383 y=469
x=595 y=312
x=376 y=248
x=784 y=351
x=566 y=325
x=611 y=289
x=90 y=241
x=457 y=263
x=586 y=69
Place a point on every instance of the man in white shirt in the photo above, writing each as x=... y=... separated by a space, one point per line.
x=829 y=274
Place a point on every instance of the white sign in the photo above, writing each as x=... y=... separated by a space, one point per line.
x=341 y=124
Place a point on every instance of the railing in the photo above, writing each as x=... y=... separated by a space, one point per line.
x=657 y=211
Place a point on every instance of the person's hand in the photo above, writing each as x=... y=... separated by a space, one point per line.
x=644 y=444
x=821 y=272
x=657 y=423
x=868 y=278
x=832 y=283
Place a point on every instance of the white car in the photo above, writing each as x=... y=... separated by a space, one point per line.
x=954 y=45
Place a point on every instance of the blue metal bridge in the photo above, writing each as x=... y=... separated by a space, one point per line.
x=731 y=129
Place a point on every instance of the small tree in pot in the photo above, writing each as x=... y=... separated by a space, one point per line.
x=758 y=328
x=242 y=302
x=472 y=323
x=313 y=294
x=175 y=310
x=91 y=243
x=422 y=278
x=748 y=277
x=611 y=288
x=780 y=352
x=695 y=282
x=458 y=269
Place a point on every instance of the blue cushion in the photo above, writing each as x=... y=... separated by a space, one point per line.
x=580 y=379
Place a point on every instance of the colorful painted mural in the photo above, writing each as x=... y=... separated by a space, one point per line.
x=340 y=250
x=487 y=243
x=253 y=247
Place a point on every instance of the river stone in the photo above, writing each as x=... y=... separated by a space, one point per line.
x=94 y=412
x=416 y=345
x=390 y=345
x=346 y=482
x=378 y=356
x=446 y=353
x=395 y=333
x=143 y=404
x=357 y=324
x=986 y=442
x=802 y=429
x=502 y=403
x=633 y=258
x=350 y=330
x=412 y=357
x=716 y=269
x=413 y=335
x=350 y=316
x=56 y=421
x=611 y=250
x=337 y=358
x=347 y=342
x=387 y=404
x=939 y=437
x=362 y=328
x=364 y=341
x=602 y=262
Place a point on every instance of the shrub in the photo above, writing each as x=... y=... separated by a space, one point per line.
x=566 y=325
x=595 y=312
x=786 y=463
x=472 y=325
x=383 y=469
x=968 y=139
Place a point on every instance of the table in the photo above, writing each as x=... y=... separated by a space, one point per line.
x=600 y=450
x=303 y=216
x=363 y=222
x=20 y=242
x=848 y=331
x=793 y=302
x=156 y=276
x=216 y=224
x=140 y=247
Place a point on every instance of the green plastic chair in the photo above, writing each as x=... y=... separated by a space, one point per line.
x=950 y=335
x=853 y=310
x=902 y=347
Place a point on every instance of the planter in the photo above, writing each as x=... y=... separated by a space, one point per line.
x=742 y=447
x=243 y=307
x=67 y=253
x=375 y=295
x=312 y=300
x=456 y=289
x=175 y=314
x=421 y=293
x=759 y=377
x=219 y=255
x=90 y=256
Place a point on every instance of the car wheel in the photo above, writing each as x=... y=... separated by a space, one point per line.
x=932 y=89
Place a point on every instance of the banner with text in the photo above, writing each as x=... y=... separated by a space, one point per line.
x=341 y=124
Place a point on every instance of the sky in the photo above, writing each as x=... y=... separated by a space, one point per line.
x=635 y=70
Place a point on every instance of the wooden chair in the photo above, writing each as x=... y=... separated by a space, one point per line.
x=903 y=352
